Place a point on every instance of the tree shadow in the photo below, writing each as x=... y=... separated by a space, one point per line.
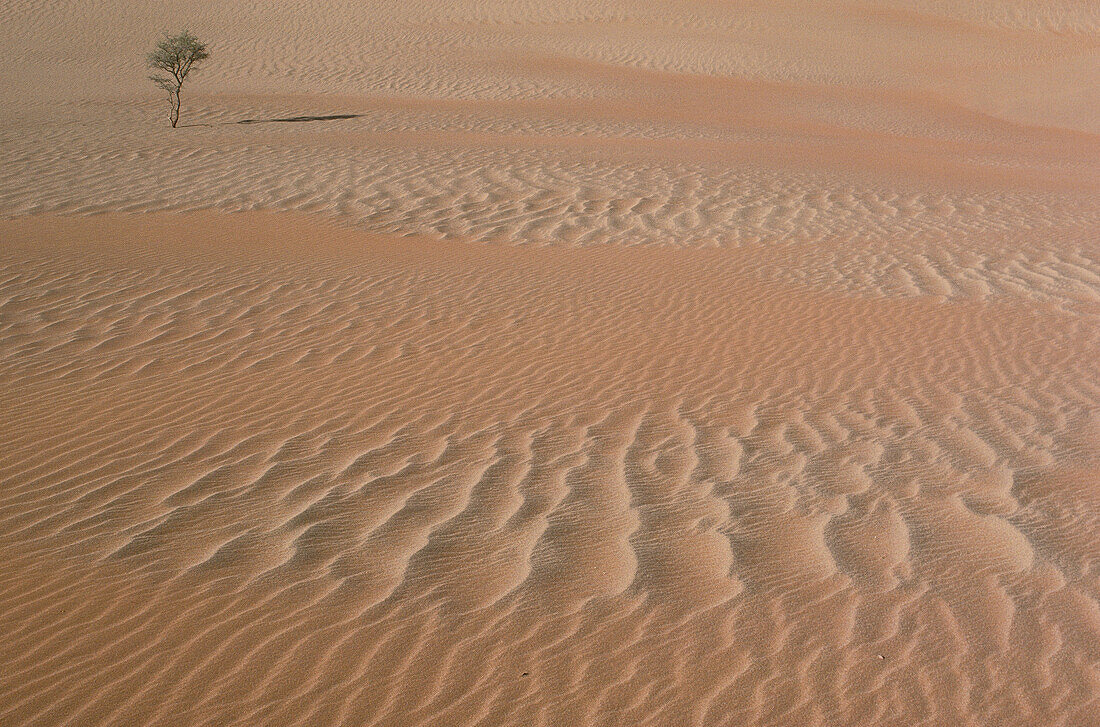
x=300 y=119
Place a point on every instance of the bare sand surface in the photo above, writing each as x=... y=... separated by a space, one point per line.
x=672 y=363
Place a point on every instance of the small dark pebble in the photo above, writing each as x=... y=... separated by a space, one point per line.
x=524 y=674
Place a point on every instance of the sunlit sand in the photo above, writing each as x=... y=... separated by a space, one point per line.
x=497 y=363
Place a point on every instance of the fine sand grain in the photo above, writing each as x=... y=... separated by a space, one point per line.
x=516 y=363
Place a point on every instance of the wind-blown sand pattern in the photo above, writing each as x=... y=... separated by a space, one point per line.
x=559 y=364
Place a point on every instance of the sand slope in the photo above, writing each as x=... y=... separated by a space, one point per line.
x=377 y=482
x=664 y=363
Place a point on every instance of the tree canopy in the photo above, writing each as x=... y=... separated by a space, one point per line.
x=175 y=55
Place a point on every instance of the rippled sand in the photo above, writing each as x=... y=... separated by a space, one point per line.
x=679 y=364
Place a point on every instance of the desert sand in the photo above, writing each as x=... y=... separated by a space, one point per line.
x=661 y=363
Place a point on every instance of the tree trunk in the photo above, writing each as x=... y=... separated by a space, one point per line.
x=175 y=108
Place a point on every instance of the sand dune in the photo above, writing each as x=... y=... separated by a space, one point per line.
x=513 y=363
x=355 y=483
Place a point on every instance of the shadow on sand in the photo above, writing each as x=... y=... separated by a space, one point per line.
x=300 y=119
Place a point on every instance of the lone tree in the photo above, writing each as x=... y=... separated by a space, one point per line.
x=176 y=55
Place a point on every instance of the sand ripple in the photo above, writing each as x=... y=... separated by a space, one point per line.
x=563 y=363
x=363 y=486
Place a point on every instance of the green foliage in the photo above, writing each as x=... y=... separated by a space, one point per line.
x=175 y=56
